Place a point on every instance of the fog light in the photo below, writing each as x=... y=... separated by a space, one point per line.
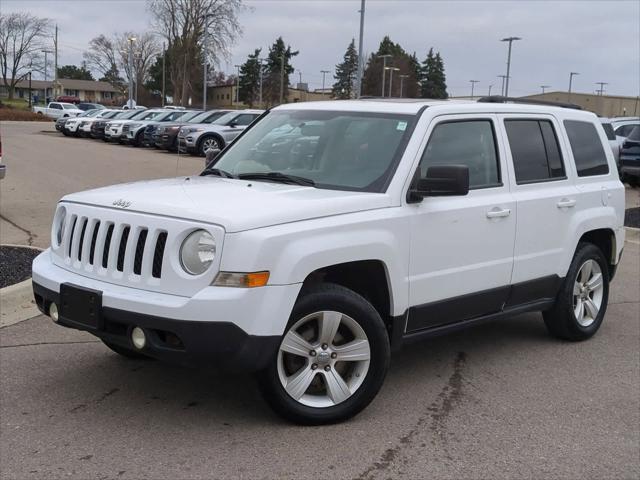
x=138 y=338
x=53 y=312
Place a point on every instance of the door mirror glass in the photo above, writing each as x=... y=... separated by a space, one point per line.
x=443 y=180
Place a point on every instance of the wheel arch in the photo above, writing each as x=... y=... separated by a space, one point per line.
x=605 y=240
x=204 y=136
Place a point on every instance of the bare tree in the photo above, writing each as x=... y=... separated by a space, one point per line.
x=183 y=23
x=21 y=39
x=145 y=49
x=102 y=55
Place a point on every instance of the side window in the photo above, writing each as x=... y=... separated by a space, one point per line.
x=587 y=148
x=56 y=106
x=243 y=120
x=535 y=151
x=471 y=143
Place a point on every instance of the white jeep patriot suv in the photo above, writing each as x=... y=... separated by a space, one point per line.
x=328 y=234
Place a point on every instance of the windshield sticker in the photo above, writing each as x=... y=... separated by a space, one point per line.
x=402 y=126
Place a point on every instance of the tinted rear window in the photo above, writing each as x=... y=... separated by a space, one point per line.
x=587 y=148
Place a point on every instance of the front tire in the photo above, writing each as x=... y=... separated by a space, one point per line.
x=332 y=360
x=582 y=301
x=209 y=143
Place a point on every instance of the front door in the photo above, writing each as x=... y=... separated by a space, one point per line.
x=462 y=246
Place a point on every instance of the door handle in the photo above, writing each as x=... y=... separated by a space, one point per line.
x=497 y=212
x=566 y=203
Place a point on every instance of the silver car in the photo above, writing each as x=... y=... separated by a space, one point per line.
x=200 y=138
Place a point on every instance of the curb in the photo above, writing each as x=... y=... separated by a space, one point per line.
x=16 y=301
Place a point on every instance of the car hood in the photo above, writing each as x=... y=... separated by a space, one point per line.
x=236 y=205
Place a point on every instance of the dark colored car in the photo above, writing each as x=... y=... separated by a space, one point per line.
x=68 y=99
x=60 y=124
x=630 y=158
x=166 y=136
x=97 y=127
x=90 y=106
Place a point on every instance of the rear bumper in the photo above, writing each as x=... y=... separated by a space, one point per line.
x=221 y=346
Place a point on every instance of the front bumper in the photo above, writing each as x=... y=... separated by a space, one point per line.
x=231 y=329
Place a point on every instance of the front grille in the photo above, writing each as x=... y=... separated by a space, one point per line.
x=125 y=129
x=116 y=247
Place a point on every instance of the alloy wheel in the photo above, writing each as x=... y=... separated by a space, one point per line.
x=588 y=291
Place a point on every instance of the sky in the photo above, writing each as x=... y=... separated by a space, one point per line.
x=600 y=39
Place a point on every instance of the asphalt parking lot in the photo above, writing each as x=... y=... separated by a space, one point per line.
x=502 y=400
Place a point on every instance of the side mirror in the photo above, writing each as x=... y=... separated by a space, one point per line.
x=233 y=124
x=442 y=181
x=210 y=156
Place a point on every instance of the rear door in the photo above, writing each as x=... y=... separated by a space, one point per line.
x=461 y=252
x=546 y=200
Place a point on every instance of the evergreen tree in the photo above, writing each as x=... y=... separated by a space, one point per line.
x=433 y=77
x=74 y=73
x=346 y=73
x=250 y=79
x=274 y=73
x=401 y=60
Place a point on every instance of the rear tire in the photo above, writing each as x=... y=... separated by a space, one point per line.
x=582 y=301
x=332 y=360
x=125 y=352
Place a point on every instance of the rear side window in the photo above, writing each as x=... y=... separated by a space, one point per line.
x=608 y=129
x=535 y=151
x=587 y=148
x=470 y=143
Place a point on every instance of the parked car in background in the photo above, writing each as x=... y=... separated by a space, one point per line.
x=60 y=123
x=84 y=127
x=56 y=110
x=200 y=138
x=622 y=126
x=135 y=130
x=630 y=158
x=166 y=136
x=90 y=106
x=68 y=99
x=113 y=128
x=151 y=128
x=71 y=125
x=615 y=142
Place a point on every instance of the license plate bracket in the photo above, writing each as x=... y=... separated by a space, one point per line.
x=81 y=306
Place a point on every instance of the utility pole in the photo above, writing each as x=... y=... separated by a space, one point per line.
x=205 y=44
x=384 y=68
x=402 y=77
x=300 y=75
x=510 y=40
x=544 y=87
x=237 y=83
x=473 y=84
x=281 y=78
x=46 y=68
x=571 y=74
x=503 y=77
x=30 y=90
x=55 y=72
x=601 y=90
x=391 y=70
x=490 y=86
x=164 y=55
x=360 y=59
x=323 y=72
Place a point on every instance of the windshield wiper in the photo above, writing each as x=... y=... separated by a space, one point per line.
x=278 y=177
x=218 y=172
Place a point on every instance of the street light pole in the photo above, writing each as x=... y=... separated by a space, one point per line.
x=237 y=83
x=323 y=72
x=164 y=96
x=503 y=77
x=473 y=83
x=601 y=90
x=402 y=77
x=261 y=60
x=384 y=68
x=360 y=59
x=544 y=87
x=490 y=86
x=510 y=40
x=205 y=44
x=571 y=74
x=391 y=70
x=130 y=62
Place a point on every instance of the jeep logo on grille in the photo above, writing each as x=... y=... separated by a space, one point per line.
x=121 y=203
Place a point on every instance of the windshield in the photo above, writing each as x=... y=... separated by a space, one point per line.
x=224 y=119
x=168 y=116
x=69 y=106
x=88 y=113
x=149 y=115
x=188 y=116
x=337 y=150
x=128 y=114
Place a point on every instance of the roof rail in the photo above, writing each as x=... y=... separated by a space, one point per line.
x=501 y=99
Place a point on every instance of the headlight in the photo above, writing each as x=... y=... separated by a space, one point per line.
x=59 y=225
x=197 y=252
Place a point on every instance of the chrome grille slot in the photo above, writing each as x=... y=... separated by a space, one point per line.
x=107 y=244
x=72 y=222
x=137 y=261
x=94 y=238
x=83 y=229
